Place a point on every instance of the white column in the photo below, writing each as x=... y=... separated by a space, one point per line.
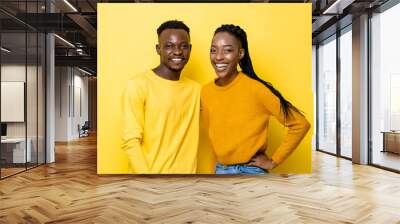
x=360 y=90
x=50 y=100
x=50 y=92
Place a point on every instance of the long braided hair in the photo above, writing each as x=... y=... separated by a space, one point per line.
x=247 y=67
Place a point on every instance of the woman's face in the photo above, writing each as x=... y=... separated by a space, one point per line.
x=225 y=54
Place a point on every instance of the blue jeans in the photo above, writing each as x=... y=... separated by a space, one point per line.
x=238 y=169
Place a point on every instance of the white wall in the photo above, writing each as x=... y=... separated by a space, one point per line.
x=62 y=81
x=71 y=102
x=80 y=110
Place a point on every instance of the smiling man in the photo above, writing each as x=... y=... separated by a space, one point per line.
x=161 y=110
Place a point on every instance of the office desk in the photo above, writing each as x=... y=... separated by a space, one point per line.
x=16 y=147
x=391 y=141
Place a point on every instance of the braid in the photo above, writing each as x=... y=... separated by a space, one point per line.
x=247 y=67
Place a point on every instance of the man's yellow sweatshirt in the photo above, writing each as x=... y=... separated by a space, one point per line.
x=161 y=124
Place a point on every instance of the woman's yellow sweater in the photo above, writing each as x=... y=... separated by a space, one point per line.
x=237 y=116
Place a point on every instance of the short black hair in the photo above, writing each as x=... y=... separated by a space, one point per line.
x=172 y=24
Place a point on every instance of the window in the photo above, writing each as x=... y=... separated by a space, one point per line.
x=327 y=95
x=385 y=88
x=346 y=93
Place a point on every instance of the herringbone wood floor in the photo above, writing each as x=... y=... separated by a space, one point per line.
x=69 y=191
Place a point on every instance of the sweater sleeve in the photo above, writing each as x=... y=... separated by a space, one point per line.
x=296 y=123
x=133 y=125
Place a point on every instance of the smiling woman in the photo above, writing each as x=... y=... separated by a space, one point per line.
x=237 y=107
x=225 y=55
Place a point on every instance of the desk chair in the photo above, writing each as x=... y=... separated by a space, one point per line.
x=84 y=130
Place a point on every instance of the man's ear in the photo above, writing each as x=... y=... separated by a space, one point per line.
x=158 y=49
x=241 y=53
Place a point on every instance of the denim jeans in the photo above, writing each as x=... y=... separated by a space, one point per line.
x=238 y=169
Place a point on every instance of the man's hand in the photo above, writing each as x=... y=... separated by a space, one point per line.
x=262 y=161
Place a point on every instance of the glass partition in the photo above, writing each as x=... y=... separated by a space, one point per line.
x=14 y=154
x=385 y=89
x=327 y=95
x=22 y=63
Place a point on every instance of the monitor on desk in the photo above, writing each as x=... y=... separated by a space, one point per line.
x=3 y=130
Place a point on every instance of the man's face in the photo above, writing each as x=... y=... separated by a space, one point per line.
x=174 y=48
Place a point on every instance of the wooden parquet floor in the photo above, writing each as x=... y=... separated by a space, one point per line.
x=70 y=191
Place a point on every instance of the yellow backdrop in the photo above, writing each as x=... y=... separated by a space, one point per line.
x=279 y=38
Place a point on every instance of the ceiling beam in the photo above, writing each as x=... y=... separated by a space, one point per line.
x=84 y=61
x=84 y=24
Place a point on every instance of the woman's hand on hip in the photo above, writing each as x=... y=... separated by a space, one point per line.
x=262 y=161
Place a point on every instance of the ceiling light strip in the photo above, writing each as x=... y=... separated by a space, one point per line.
x=84 y=71
x=64 y=40
x=5 y=49
x=337 y=7
x=71 y=6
